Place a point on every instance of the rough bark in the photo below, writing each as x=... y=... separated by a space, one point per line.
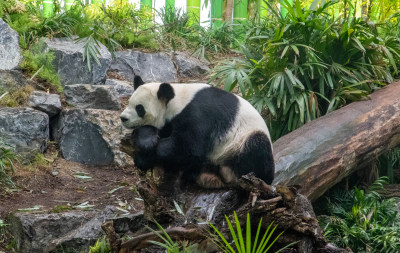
x=323 y=152
x=228 y=11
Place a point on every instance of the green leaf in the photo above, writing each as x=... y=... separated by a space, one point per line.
x=295 y=49
x=284 y=51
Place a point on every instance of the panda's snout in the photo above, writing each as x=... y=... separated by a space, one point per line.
x=123 y=119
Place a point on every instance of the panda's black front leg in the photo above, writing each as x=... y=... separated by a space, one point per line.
x=166 y=148
x=145 y=161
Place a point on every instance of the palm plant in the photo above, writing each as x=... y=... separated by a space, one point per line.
x=305 y=64
x=244 y=243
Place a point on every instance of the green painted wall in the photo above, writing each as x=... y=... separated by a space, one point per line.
x=68 y=4
x=283 y=10
x=239 y=11
x=48 y=10
x=262 y=8
x=170 y=4
x=193 y=9
x=98 y=1
x=147 y=3
x=216 y=12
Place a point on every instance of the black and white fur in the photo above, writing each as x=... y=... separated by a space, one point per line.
x=145 y=140
x=200 y=124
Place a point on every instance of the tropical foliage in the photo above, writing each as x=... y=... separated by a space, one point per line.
x=245 y=242
x=363 y=220
x=262 y=241
x=293 y=68
x=101 y=246
x=388 y=165
x=39 y=63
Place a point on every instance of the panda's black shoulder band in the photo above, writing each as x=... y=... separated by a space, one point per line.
x=165 y=92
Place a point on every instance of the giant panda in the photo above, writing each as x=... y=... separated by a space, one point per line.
x=199 y=124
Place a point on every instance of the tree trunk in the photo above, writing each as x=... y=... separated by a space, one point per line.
x=228 y=11
x=324 y=151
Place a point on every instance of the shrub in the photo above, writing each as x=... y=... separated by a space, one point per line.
x=101 y=246
x=7 y=157
x=363 y=220
x=305 y=64
x=17 y=97
x=39 y=62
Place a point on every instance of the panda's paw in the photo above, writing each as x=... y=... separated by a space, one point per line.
x=210 y=181
x=227 y=175
x=143 y=163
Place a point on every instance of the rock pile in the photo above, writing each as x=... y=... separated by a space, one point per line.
x=87 y=128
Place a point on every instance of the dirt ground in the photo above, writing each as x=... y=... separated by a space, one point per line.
x=61 y=185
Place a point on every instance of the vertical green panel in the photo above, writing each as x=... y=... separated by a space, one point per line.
x=68 y=4
x=263 y=8
x=170 y=4
x=216 y=12
x=48 y=8
x=283 y=10
x=193 y=9
x=239 y=11
x=146 y=3
x=98 y=1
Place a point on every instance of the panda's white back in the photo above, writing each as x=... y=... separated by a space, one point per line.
x=247 y=122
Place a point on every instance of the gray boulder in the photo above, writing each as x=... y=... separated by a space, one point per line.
x=72 y=231
x=91 y=136
x=48 y=103
x=25 y=129
x=92 y=96
x=129 y=223
x=10 y=54
x=157 y=67
x=190 y=67
x=70 y=65
x=123 y=88
x=12 y=79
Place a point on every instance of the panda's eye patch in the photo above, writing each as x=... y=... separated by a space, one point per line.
x=140 y=110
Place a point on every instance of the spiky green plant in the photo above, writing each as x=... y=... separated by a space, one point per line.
x=244 y=243
x=101 y=246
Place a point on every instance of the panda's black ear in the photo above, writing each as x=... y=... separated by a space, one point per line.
x=137 y=81
x=165 y=92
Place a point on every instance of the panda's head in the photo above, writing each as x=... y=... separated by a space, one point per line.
x=147 y=104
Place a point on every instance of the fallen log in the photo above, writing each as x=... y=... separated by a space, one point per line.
x=323 y=152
